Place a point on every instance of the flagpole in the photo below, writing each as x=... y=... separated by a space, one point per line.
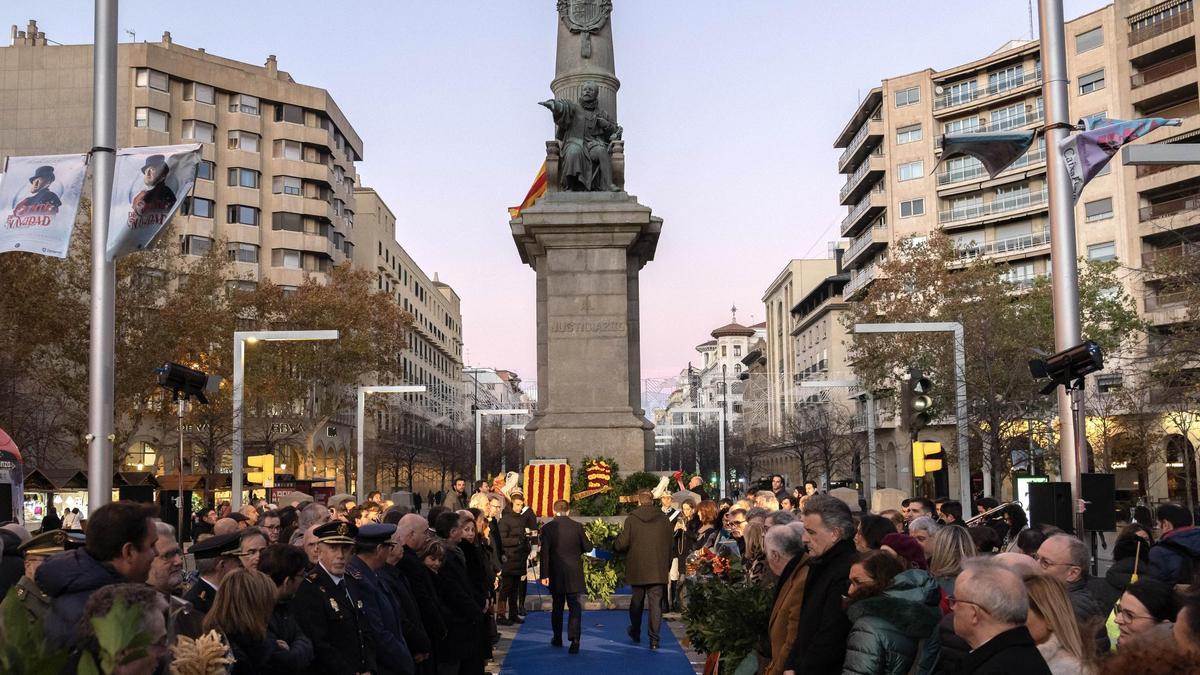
x=1064 y=273
x=101 y=348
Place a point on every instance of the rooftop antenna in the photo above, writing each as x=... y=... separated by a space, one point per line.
x=132 y=35
x=1030 y=19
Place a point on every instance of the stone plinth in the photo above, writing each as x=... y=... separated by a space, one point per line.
x=587 y=249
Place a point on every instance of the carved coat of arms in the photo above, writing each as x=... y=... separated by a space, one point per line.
x=584 y=17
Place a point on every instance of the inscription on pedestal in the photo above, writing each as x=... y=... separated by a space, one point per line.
x=588 y=326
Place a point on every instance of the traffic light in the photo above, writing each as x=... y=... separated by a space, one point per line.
x=919 y=402
x=927 y=457
x=265 y=476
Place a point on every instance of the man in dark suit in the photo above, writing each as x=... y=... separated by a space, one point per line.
x=329 y=607
x=647 y=539
x=372 y=547
x=216 y=557
x=563 y=545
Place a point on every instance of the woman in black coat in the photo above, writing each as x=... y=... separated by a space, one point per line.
x=460 y=598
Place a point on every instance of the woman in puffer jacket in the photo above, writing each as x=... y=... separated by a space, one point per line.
x=892 y=609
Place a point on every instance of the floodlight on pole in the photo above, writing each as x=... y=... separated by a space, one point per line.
x=240 y=339
x=360 y=476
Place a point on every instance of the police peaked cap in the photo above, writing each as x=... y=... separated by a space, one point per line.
x=222 y=545
x=54 y=541
x=375 y=534
x=336 y=533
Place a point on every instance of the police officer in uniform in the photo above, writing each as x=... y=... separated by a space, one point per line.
x=37 y=549
x=216 y=557
x=372 y=548
x=329 y=607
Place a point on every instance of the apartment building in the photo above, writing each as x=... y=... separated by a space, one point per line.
x=1129 y=59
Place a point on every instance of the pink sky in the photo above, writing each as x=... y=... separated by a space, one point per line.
x=730 y=110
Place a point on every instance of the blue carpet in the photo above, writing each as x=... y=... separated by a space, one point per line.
x=604 y=647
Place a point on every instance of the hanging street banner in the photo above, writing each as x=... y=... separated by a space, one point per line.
x=996 y=150
x=39 y=197
x=1085 y=154
x=149 y=186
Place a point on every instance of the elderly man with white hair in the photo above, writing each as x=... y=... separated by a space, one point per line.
x=990 y=604
x=784 y=546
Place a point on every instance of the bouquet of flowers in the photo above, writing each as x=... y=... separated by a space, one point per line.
x=726 y=612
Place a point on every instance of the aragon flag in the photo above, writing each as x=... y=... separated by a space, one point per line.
x=1086 y=153
x=535 y=193
x=995 y=150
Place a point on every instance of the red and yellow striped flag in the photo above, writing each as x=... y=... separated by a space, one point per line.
x=546 y=484
x=535 y=193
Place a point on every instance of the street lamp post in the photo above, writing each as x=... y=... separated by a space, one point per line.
x=360 y=478
x=960 y=384
x=240 y=338
x=720 y=438
x=479 y=437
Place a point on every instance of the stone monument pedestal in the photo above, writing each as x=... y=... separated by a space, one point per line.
x=587 y=249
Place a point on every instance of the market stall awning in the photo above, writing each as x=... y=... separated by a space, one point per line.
x=52 y=480
x=194 y=482
x=134 y=478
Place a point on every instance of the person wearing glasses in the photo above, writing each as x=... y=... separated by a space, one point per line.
x=271 y=525
x=253 y=541
x=1065 y=557
x=1146 y=610
x=990 y=606
x=166 y=577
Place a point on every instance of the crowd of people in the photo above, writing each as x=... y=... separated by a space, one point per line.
x=375 y=588
x=346 y=588
x=927 y=589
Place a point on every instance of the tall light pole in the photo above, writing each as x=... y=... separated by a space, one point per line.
x=240 y=338
x=360 y=482
x=1064 y=279
x=101 y=366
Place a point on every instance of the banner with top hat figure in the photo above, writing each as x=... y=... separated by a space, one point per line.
x=149 y=187
x=39 y=198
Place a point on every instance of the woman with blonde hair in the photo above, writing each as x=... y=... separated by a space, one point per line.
x=1051 y=622
x=240 y=612
x=756 y=555
x=948 y=548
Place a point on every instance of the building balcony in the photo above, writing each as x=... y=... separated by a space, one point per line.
x=1163 y=69
x=871 y=205
x=976 y=172
x=859 y=280
x=871 y=131
x=871 y=239
x=1027 y=282
x=1168 y=256
x=1030 y=116
x=1004 y=207
x=863 y=177
x=948 y=103
x=1026 y=244
x=1165 y=309
x=1163 y=27
x=1169 y=207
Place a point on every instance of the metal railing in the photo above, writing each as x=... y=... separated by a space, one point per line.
x=862 y=277
x=860 y=244
x=1006 y=245
x=1155 y=301
x=858 y=139
x=1169 y=207
x=1170 y=254
x=994 y=207
x=951 y=100
x=861 y=207
x=1030 y=116
x=1163 y=69
x=1159 y=27
x=863 y=169
x=976 y=170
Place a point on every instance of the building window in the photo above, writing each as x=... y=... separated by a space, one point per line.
x=292 y=222
x=288 y=150
x=1089 y=40
x=240 y=252
x=200 y=93
x=241 y=103
x=912 y=170
x=912 y=207
x=247 y=178
x=206 y=170
x=965 y=125
x=908 y=96
x=243 y=215
x=153 y=79
x=1093 y=81
x=1101 y=209
x=194 y=244
x=724 y=350
x=737 y=368
x=961 y=92
x=1102 y=252
x=287 y=185
x=195 y=130
x=289 y=113
x=909 y=134
x=1003 y=80
x=198 y=207
x=286 y=258
x=1009 y=117
x=737 y=350
x=1021 y=273
x=149 y=118
x=1106 y=383
x=243 y=140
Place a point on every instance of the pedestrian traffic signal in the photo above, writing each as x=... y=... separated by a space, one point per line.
x=927 y=457
x=265 y=475
x=919 y=402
